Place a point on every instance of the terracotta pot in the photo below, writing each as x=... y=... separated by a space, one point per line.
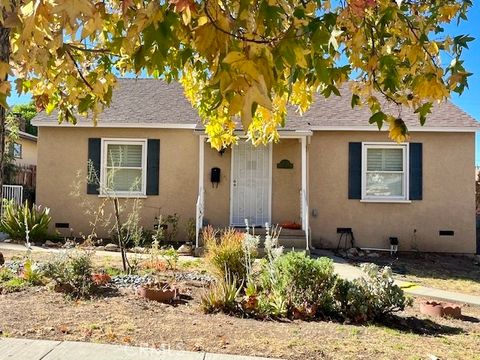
x=452 y=310
x=162 y=295
x=431 y=308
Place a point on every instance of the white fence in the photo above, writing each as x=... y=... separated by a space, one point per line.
x=12 y=192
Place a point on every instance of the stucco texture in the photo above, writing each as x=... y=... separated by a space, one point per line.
x=448 y=186
x=62 y=164
x=448 y=195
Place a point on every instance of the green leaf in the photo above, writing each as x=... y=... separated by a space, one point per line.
x=423 y=111
x=355 y=100
x=378 y=118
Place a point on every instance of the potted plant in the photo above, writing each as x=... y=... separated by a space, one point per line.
x=158 y=291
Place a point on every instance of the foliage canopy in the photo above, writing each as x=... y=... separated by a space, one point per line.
x=238 y=59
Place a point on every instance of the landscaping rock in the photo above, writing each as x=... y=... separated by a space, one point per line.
x=111 y=247
x=2 y=259
x=100 y=248
x=352 y=252
x=373 y=255
x=130 y=280
x=7 y=241
x=138 y=250
x=185 y=249
x=49 y=243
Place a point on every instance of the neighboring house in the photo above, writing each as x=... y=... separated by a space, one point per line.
x=330 y=170
x=24 y=149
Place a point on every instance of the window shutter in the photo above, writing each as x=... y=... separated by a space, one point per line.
x=153 y=169
x=94 y=150
x=355 y=170
x=416 y=173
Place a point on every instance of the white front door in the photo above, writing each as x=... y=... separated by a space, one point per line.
x=251 y=184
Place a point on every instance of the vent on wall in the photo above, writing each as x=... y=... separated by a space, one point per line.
x=446 y=233
x=62 y=225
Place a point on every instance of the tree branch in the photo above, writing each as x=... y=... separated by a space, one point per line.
x=79 y=70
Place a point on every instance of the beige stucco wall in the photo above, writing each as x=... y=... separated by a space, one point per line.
x=286 y=184
x=448 y=186
x=448 y=195
x=63 y=153
x=29 y=151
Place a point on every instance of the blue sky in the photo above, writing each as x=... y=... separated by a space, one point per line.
x=469 y=101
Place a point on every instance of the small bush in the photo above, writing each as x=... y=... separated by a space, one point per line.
x=18 y=219
x=371 y=297
x=31 y=274
x=225 y=253
x=72 y=274
x=305 y=284
x=6 y=274
x=13 y=285
x=222 y=296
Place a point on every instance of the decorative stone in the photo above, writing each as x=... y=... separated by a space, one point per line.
x=50 y=243
x=138 y=250
x=352 y=252
x=111 y=247
x=373 y=255
x=185 y=249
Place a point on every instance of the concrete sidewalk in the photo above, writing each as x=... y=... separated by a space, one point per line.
x=25 y=349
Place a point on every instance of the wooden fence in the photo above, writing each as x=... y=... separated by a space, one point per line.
x=25 y=175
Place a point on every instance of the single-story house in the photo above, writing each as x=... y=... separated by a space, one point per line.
x=330 y=170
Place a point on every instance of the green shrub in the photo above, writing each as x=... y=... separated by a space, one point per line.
x=225 y=253
x=72 y=274
x=305 y=283
x=222 y=296
x=31 y=274
x=6 y=274
x=371 y=297
x=17 y=219
x=13 y=285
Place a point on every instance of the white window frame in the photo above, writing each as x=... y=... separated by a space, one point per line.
x=103 y=165
x=406 y=172
x=18 y=155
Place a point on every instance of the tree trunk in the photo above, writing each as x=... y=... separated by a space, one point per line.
x=4 y=57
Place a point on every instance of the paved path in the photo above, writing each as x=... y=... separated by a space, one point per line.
x=342 y=267
x=350 y=272
x=25 y=349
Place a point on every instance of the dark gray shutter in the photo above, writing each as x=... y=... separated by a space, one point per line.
x=153 y=168
x=94 y=151
x=355 y=170
x=416 y=172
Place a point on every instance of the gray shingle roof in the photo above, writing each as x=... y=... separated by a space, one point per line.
x=149 y=101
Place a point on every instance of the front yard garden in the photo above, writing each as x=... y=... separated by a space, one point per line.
x=111 y=311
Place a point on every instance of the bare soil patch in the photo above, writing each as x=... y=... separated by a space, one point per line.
x=122 y=317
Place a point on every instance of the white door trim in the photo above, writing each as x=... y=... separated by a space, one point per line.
x=269 y=190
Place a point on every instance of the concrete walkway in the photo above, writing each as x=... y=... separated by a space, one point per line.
x=350 y=272
x=25 y=349
x=342 y=268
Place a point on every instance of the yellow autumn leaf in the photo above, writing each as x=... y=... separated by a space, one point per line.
x=234 y=56
x=397 y=130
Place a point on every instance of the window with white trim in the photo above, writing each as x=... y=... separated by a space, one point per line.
x=384 y=172
x=124 y=166
x=17 y=150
